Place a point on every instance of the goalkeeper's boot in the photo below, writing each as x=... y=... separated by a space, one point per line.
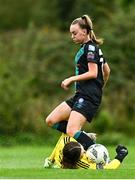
x=122 y=152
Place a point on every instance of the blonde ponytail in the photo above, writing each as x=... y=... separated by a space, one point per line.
x=86 y=23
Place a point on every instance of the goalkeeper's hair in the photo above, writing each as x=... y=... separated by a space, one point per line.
x=85 y=22
x=71 y=154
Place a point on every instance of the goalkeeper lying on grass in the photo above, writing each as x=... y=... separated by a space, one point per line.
x=70 y=154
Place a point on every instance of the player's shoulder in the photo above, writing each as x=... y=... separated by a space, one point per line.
x=91 y=46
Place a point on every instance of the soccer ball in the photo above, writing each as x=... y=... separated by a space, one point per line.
x=98 y=154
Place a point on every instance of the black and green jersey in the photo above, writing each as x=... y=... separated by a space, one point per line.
x=92 y=88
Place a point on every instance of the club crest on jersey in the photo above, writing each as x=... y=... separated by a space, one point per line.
x=80 y=100
x=90 y=55
x=91 y=48
x=79 y=104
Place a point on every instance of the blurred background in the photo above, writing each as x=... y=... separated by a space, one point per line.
x=36 y=54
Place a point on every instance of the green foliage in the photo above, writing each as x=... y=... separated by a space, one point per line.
x=120 y=47
x=32 y=69
x=104 y=122
x=110 y=138
x=18 y=14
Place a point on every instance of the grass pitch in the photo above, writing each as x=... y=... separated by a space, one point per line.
x=27 y=162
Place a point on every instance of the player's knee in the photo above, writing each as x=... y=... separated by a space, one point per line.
x=49 y=121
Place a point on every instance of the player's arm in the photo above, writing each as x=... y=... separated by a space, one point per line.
x=50 y=160
x=51 y=157
x=114 y=164
x=122 y=152
x=106 y=72
x=91 y=74
x=92 y=60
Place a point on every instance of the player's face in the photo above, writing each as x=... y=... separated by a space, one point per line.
x=78 y=35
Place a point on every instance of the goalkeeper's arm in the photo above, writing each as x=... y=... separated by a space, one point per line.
x=49 y=161
x=122 y=152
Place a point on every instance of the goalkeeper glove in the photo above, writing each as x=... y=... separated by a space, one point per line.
x=122 y=152
x=48 y=163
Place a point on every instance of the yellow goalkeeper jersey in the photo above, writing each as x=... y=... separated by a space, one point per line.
x=84 y=162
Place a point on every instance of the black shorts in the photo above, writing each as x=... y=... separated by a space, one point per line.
x=83 y=105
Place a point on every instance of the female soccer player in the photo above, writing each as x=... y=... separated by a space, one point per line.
x=91 y=74
x=69 y=154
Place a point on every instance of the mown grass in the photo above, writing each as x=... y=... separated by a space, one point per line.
x=27 y=162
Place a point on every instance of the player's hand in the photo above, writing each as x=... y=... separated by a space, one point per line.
x=121 y=151
x=65 y=84
x=48 y=163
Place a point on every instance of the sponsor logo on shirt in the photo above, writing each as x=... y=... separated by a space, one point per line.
x=91 y=48
x=90 y=55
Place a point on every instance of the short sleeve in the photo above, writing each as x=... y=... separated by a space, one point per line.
x=91 y=53
x=102 y=59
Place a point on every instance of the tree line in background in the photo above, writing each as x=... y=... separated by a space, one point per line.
x=59 y=13
x=36 y=54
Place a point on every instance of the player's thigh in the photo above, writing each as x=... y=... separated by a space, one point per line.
x=75 y=122
x=60 y=113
